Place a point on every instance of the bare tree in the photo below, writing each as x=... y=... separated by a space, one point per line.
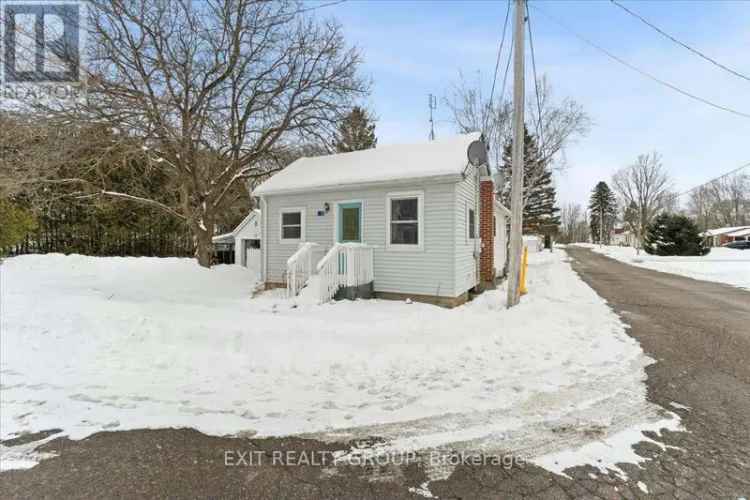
x=729 y=200
x=573 y=225
x=218 y=92
x=472 y=112
x=642 y=187
x=24 y=151
x=562 y=122
x=670 y=202
x=700 y=208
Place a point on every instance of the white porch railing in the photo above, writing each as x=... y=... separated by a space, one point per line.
x=345 y=264
x=299 y=268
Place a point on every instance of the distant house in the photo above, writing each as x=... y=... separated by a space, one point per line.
x=723 y=235
x=623 y=237
x=404 y=221
x=740 y=235
x=241 y=246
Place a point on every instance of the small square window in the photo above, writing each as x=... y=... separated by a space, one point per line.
x=292 y=225
x=405 y=221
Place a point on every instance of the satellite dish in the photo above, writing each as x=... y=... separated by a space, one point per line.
x=477 y=153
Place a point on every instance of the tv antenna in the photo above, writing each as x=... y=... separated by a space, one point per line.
x=432 y=103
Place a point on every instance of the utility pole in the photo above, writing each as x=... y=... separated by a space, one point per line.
x=516 y=197
x=432 y=103
x=601 y=223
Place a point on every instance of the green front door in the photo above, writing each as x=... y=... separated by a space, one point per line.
x=349 y=228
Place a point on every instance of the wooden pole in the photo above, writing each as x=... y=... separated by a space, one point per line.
x=516 y=197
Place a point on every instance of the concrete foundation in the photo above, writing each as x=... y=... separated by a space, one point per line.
x=366 y=291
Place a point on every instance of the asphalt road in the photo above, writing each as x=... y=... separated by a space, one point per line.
x=698 y=331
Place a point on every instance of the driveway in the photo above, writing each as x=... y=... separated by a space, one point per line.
x=699 y=333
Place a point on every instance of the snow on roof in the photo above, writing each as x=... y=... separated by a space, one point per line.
x=382 y=164
x=223 y=238
x=244 y=222
x=723 y=230
x=741 y=232
x=229 y=237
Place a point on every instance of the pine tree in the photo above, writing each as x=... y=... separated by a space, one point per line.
x=602 y=213
x=539 y=210
x=356 y=132
x=671 y=234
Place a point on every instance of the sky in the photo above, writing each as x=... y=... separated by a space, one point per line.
x=414 y=48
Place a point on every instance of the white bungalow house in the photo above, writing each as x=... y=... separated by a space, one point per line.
x=402 y=221
x=243 y=243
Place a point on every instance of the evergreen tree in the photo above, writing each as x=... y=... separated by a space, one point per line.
x=15 y=224
x=356 y=132
x=630 y=216
x=602 y=212
x=539 y=194
x=672 y=234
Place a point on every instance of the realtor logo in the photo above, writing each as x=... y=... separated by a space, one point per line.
x=41 y=41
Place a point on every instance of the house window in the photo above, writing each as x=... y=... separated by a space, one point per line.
x=472 y=224
x=405 y=220
x=292 y=225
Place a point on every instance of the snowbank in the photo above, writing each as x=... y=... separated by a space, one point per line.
x=121 y=343
x=723 y=265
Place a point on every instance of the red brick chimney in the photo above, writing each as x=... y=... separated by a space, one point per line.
x=487 y=231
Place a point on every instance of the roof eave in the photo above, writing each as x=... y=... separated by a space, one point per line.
x=245 y=221
x=453 y=177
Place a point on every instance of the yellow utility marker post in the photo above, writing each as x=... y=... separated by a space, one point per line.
x=524 y=265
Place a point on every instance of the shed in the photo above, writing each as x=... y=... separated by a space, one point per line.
x=243 y=243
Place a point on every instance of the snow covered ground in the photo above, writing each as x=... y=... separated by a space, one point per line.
x=90 y=344
x=723 y=265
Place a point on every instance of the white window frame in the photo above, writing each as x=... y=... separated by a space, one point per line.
x=469 y=209
x=419 y=195
x=291 y=210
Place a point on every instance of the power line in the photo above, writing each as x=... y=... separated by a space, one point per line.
x=638 y=70
x=678 y=42
x=314 y=7
x=727 y=174
x=536 y=82
x=505 y=75
x=497 y=65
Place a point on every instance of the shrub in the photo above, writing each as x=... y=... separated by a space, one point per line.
x=15 y=224
x=672 y=234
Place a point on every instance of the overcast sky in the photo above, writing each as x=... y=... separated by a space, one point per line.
x=413 y=48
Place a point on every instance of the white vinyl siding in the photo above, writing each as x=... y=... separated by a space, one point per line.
x=466 y=276
x=430 y=271
x=251 y=232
